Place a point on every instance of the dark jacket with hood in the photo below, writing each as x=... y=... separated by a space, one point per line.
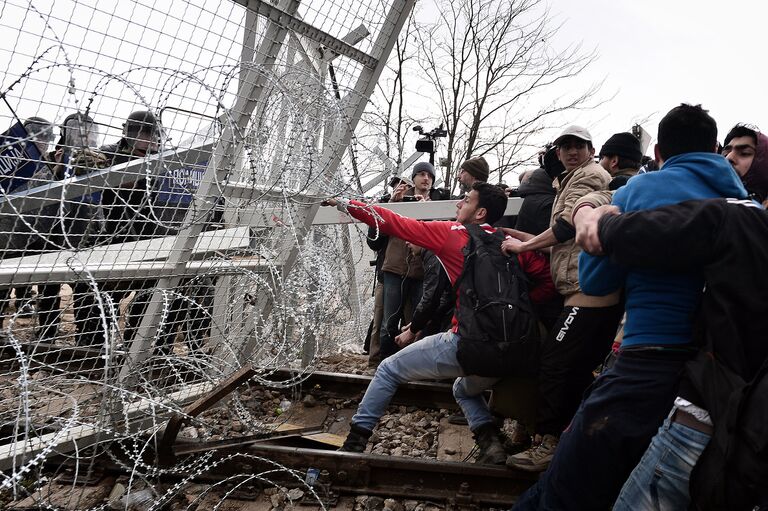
x=538 y=197
x=726 y=240
x=125 y=206
x=756 y=178
x=435 y=309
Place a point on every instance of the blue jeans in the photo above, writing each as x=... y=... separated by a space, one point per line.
x=660 y=480
x=431 y=358
x=397 y=290
x=620 y=414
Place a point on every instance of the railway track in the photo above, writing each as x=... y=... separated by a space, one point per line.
x=305 y=444
x=341 y=474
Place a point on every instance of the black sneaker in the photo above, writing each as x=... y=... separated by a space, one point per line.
x=357 y=439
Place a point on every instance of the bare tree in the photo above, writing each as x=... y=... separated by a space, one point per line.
x=496 y=78
x=388 y=115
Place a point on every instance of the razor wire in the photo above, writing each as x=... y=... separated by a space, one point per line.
x=114 y=114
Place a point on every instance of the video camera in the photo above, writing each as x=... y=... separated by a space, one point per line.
x=426 y=144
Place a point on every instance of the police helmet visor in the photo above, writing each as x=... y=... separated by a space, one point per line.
x=40 y=132
x=82 y=134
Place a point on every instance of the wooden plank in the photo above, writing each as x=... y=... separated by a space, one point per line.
x=432 y=210
x=454 y=442
x=340 y=426
x=65 y=497
x=126 y=271
x=327 y=438
x=135 y=251
x=306 y=416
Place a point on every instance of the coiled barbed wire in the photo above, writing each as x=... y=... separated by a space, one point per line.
x=233 y=301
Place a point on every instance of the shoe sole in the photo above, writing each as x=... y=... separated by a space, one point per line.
x=528 y=468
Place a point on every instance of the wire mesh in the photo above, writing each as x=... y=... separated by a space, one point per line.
x=159 y=170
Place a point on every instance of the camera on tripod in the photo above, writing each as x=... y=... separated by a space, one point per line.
x=426 y=144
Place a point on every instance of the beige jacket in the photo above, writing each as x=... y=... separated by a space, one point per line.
x=590 y=177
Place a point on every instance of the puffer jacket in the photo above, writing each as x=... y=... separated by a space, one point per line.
x=571 y=187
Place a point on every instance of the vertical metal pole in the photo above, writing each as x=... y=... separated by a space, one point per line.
x=217 y=171
x=353 y=106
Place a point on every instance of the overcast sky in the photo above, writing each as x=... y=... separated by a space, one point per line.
x=655 y=54
x=652 y=54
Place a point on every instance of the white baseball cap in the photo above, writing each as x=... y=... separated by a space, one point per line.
x=574 y=131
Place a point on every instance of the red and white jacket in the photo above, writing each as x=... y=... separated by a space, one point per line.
x=447 y=240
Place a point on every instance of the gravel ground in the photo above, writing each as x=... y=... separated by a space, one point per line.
x=347 y=363
x=408 y=432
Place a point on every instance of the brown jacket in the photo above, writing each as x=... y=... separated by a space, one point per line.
x=399 y=260
x=589 y=177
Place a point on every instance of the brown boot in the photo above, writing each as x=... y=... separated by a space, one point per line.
x=537 y=458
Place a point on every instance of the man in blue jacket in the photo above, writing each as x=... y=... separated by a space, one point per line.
x=625 y=406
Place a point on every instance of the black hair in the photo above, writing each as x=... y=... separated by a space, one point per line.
x=649 y=164
x=622 y=163
x=687 y=129
x=627 y=163
x=492 y=198
x=740 y=130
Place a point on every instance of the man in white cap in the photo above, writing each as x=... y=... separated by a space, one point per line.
x=584 y=331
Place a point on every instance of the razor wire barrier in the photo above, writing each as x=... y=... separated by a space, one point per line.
x=161 y=173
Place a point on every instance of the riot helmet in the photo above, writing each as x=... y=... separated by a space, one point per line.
x=141 y=131
x=78 y=130
x=40 y=132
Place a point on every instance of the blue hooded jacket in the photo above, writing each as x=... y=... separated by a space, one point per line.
x=660 y=305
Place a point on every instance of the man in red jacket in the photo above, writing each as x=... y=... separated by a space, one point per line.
x=434 y=357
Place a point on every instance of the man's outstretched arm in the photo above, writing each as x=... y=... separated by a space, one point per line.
x=429 y=235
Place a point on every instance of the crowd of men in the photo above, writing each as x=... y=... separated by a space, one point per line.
x=651 y=271
x=656 y=278
x=128 y=212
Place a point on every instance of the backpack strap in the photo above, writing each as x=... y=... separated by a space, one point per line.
x=470 y=249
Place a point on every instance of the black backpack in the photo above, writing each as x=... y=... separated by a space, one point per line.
x=497 y=328
x=732 y=471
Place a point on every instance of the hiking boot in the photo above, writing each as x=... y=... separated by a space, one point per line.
x=491 y=450
x=516 y=438
x=357 y=439
x=537 y=458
